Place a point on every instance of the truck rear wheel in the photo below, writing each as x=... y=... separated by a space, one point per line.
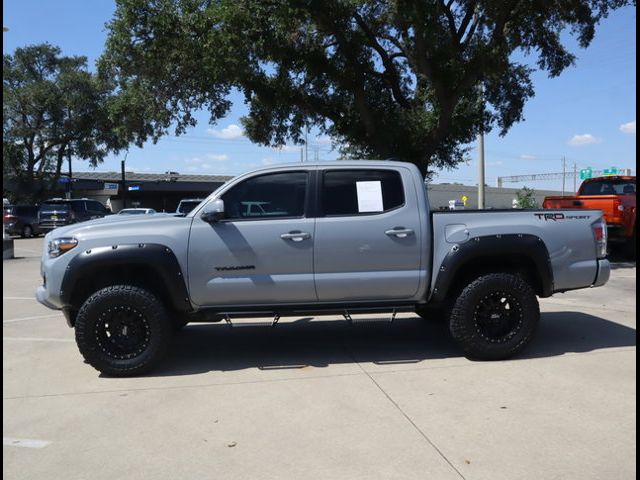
x=123 y=330
x=495 y=316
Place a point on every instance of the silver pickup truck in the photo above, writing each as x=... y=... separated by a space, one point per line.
x=318 y=238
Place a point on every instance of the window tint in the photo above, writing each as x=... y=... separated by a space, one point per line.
x=54 y=206
x=609 y=187
x=267 y=196
x=358 y=192
x=78 y=207
x=96 y=206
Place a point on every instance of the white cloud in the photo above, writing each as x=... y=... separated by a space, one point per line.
x=629 y=128
x=218 y=158
x=196 y=164
x=528 y=157
x=232 y=132
x=584 y=139
x=497 y=163
x=268 y=161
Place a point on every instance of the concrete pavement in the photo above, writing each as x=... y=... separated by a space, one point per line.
x=321 y=399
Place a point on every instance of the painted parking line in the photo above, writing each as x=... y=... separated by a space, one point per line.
x=38 y=339
x=19 y=298
x=11 y=320
x=24 y=442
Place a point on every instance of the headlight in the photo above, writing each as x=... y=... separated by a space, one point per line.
x=60 y=245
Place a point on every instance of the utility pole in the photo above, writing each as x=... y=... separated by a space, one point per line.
x=124 y=185
x=70 y=190
x=301 y=155
x=564 y=173
x=306 y=144
x=481 y=171
x=481 y=158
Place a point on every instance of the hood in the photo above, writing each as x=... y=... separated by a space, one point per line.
x=115 y=225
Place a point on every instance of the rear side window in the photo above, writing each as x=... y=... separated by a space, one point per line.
x=361 y=192
x=78 y=207
x=277 y=195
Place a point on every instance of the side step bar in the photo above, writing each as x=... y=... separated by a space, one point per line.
x=276 y=317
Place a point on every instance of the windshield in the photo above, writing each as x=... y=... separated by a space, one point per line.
x=609 y=187
x=132 y=212
x=55 y=207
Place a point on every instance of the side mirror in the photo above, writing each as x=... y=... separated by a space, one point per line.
x=213 y=211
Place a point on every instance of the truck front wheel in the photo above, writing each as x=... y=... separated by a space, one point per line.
x=495 y=316
x=123 y=330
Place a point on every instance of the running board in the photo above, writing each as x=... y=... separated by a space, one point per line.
x=276 y=317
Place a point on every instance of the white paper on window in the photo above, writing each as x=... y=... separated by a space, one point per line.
x=369 y=196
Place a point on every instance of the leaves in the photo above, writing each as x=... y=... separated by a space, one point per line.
x=52 y=107
x=403 y=79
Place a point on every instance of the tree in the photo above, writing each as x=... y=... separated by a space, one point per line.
x=415 y=80
x=526 y=198
x=52 y=107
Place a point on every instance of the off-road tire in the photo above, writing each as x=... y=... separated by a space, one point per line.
x=123 y=308
x=495 y=316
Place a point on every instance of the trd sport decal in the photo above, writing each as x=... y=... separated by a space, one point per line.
x=559 y=216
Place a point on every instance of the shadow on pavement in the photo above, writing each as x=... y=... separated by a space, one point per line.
x=200 y=348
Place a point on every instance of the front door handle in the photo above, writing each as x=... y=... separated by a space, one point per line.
x=295 y=236
x=399 y=232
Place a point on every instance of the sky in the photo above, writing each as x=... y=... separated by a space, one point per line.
x=587 y=116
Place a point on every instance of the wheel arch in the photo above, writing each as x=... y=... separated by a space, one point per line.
x=153 y=267
x=521 y=254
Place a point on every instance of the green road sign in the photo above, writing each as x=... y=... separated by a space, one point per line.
x=610 y=171
x=585 y=173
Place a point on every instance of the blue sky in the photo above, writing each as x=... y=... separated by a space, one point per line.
x=587 y=115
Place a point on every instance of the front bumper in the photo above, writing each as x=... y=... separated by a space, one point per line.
x=604 y=271
x=42 y=295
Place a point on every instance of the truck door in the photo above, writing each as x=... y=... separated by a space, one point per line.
x=367 y=243
x=262 y=251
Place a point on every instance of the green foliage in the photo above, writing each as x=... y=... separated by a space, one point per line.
x=414 y=80
x=52 y=107
x=526 y=198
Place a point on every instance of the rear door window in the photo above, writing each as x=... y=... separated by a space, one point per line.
x=361 y=192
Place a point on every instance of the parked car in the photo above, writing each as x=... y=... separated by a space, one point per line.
x=136 y=211
x=616 y=197
x=21 y=220
x=352 y=237
x=188 y=204
x=58 y=212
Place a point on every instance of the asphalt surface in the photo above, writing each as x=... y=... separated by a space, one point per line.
x=321 y=399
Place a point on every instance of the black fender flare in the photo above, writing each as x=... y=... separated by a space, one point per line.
x=529 y=247
x=159 y=258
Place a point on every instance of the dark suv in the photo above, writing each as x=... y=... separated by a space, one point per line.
x=21 y=220
x=59 y=211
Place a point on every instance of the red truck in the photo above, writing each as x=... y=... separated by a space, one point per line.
x=616 y=197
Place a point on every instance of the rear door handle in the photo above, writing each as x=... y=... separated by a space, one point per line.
x=295 y=236
x=399 y=232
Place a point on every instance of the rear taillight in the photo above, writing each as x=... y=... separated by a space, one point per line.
x=618 y=205
x=600 y=235
x=8 y=218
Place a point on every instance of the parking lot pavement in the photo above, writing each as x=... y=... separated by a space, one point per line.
x=315 y=398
